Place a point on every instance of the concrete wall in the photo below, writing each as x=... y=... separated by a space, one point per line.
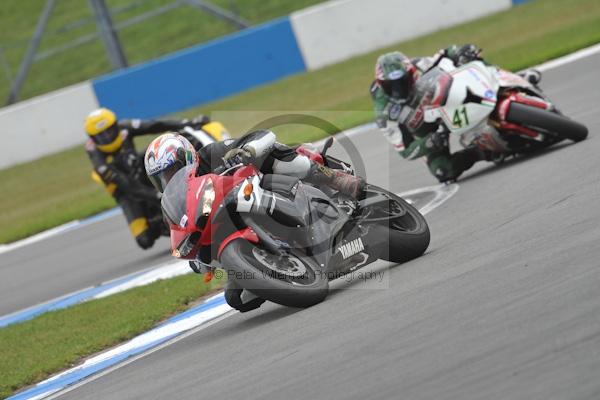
x=46 y=124
x=340 y=29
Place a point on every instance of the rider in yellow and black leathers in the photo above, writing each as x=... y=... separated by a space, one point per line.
x=114 y=157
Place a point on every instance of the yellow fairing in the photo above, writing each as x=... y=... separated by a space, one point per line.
x=138 y=226
x=111 y=147
x=216 y=130
x=110 y=188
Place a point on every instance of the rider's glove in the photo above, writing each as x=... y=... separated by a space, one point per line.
x=238 y=156
x=464 y=54
x=531 y=75
x=197 y=122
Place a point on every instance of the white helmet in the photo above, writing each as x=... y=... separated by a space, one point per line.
x=166 y=155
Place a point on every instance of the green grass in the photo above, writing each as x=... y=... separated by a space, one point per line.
x=35 y=349
x=176 y=29
x=57 y=188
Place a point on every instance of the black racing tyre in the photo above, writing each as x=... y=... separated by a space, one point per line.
x=294 y=282
x=548 y=121
x=401 y=238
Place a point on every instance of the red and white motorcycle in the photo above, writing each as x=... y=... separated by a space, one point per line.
x=281 y=239
x=494 y=109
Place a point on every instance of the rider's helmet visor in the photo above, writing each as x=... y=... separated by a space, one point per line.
x=161 y=179
x=398 y=88
x=108 y=136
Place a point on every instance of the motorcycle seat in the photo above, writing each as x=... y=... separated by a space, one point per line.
x=281 y=184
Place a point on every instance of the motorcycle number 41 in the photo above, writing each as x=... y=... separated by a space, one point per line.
x=460 y=117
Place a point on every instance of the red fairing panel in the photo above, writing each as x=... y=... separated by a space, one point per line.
x=246 y=234
x=504 y=105
x=222 y=185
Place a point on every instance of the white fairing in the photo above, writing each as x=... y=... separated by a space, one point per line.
x=476 y=80
x=507 y=79
x=245 y=205
x=446 y=64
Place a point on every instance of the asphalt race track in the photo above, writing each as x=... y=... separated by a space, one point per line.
x=71 y=261
x=505 y=303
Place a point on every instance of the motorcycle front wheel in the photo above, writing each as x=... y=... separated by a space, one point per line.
x=294 y=280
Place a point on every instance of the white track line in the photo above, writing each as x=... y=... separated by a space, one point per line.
x=167 y=270
x=201 y=315
x=137 y=357
x=164 y=270
x=569 y=58
x=441 y=192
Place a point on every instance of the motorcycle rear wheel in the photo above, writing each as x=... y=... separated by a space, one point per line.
x=294 y=282
x=534 y=117
x=405 y=235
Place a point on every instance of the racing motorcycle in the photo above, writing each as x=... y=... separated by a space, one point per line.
x=494 y=109
x=141 y=188
x=282 y=239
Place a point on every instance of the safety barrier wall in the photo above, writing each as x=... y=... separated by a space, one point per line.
x=46 y=124
x=200 y=74
x=308 y=39
x=337 y=30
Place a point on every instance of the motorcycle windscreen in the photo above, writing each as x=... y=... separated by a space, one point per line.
x=432 y=88
x=174 y=197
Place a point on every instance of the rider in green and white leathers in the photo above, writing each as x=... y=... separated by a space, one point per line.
x=397 y=93
x=396 y=97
